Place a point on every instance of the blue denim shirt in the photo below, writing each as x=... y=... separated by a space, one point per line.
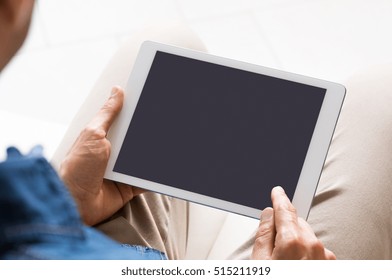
x=39 y=219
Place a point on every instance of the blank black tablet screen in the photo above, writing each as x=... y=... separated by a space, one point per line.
x=219 y=131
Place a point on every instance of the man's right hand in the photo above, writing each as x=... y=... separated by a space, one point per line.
x=283 y=235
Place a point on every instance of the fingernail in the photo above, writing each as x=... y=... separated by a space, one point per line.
x=114 y=91
x=267 y=213
x=279 y=188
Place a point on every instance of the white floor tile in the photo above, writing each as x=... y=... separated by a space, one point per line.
x=329 y=39
x=73 y=20
x=51 y=84
x=236 y=37
x=275 y=4
x=196 y=9
x=35 y=37
x=26 y=132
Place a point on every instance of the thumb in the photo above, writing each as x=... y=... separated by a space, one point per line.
x=265 y=236
x=109 y=111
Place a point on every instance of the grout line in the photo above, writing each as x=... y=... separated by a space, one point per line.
x=42 y=25
x=247 y=9
x=265 y=39
x=113 y=38
x=218 y=17
x=180 y=12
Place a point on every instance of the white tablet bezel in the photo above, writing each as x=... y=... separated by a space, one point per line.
x=315 y=156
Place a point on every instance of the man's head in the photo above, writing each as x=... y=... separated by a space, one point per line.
x=15 y=18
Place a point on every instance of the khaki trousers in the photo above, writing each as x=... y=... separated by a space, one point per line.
x=351 y=213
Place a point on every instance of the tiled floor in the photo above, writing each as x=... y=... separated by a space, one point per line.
x=71 y=41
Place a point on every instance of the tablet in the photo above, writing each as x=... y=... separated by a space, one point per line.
x=221 y=132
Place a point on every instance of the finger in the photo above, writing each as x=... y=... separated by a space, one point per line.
x=314 y=247
x=109 y=111
x=307 y=231
x=329 y=254
x=318 y=249
x=286 y=219
x=265 y=236
x=136 y=191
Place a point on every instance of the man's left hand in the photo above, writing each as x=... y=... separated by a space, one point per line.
x=84 y=167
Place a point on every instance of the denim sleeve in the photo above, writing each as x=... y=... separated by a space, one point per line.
x=39 y=218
